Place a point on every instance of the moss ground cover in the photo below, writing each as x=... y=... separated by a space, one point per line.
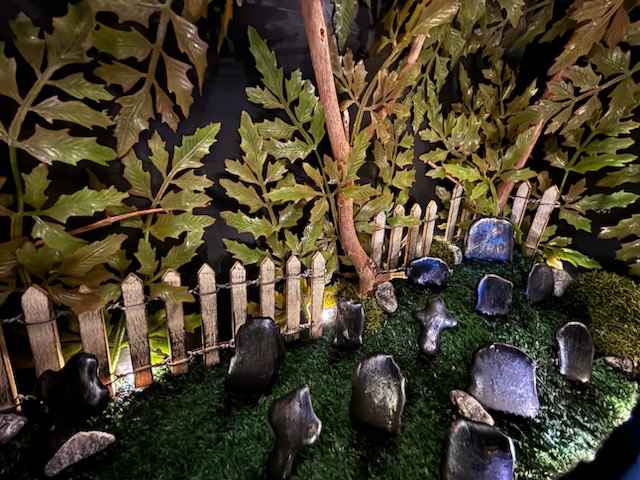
x=185 y=428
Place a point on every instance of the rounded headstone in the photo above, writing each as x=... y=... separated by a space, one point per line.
x=575 y=351
x=490 y=239
x=349 y=324
x=428 y=272
x=79 y=447
x=435 y=318
x=540 y=283
x=494 y=296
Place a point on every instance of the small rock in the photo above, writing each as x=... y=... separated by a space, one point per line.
x=258 y=353
x=386 y=297
x=503 y=378
x=561 y=281
x=495 y=295
x=576 y=351
x=470 y=408
x=349 y=326
x=295 y=425
x=490 y=239
x=435 y=318
x=378 y=393
x=428 y=272
x=540 y=283
x=456 y=251
x=478 y=452
x=623 y=364
x=79 y=447
x=10 y=425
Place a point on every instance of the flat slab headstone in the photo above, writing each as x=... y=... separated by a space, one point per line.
x=494 y=295
x=540 y=283
x=378 y=393
x=503 y=378
x=10 y=425
x=349 y=324
x=575 y=351
x=259 y=349
x=79 y=447
x=428 y=272
x=490 y=239
x=435 y=318
x=476 y=451
x=386 y=297
x=469 y=407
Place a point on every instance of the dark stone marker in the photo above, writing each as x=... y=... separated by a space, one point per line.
x=378 y=393
x=576 y=351
x=428 y=272
x=75 y=392
x=259 y=351
x=434 y=319
x=295 y=425
x=503 y=378
x=495 y=295
x=540 y=283
x=478 y=452
x=349 y=326
x=79 y=447
x=490 y=239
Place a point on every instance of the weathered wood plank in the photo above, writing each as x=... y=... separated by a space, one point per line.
x=93 y=335
x=209 y=312
x=137 y=330
x=8 y=390
x=317 y=293
x=430 y=218
x=520 y=203
x=238 y=279
x=541 y=219
x=267 y=288
x=42 y=330
x=395 y=240
x=377 y=238
x=414 y=245
x=175 y=324
x=454 y=210
x=292 y=287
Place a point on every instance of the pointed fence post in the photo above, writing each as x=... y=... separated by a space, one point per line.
x=42 y=330
x=175 y=324
x=292 y=287
x=137 y=330
x=520 y=203
x=238 y=279
x=8 y=390
x=545 y=209
x=209 y=312
x=429 y=226
x=317 y=293
x=414 y=245
x=377 y=238
x=267 y=288
x=395 y=240
x=454 y=209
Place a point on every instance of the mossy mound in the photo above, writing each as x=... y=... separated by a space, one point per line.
x=183 y=428
x=612 y=303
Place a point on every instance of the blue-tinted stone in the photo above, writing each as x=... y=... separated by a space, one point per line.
x=490 y=239
x=478 y=452
x=378 y=393
x=503 y=378
x=295 y=425
x=495 y=295
x=349 y=325
x=575 y=351
x=428 y=272
x=434 y=319
x=258 y=352
x=540 y=283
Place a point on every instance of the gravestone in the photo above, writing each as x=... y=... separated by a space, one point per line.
x=540 y=283
x=435 y=318
x=79 y=447
x=575 y=351
x=428 y=272
x=490 y=239
x=494 y=296
x=349 y=325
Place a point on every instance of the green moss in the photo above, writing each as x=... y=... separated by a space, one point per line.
x=613 y=306
x=183 y=428
x=442 y=250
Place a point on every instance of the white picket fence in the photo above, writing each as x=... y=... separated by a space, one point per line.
x=402 y=245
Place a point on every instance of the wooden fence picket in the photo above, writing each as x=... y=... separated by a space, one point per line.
x=414 y=245
x=541 y=219
x=377 y=238
x=395 y=240
x=8 y=390
x=430 y=218
x=209 y=312
x=454 y=209
x=175 y=325
x=520 y=203
x=267 y=288
x=238 y=279
x=137 y=330
x=292 y=291
x=93 y=335
x=42 y=330
x=317 y=293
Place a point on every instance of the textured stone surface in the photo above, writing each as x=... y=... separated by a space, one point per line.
x=503 y=378
x=428 y=272
x=258 y=353
x=295 y=425
x=378 y=393
x=470 y=408
x=79 y=447
x=495 y=295
x=561 y=281
x=456 y=251
x=623 y=364
x=75 y=392
x=476 y=451
x=349 y=325
x=575 y=351
x=435 y=318
x=386 y=297
x=10 y=425
x=540 y=283
x=490 y=239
